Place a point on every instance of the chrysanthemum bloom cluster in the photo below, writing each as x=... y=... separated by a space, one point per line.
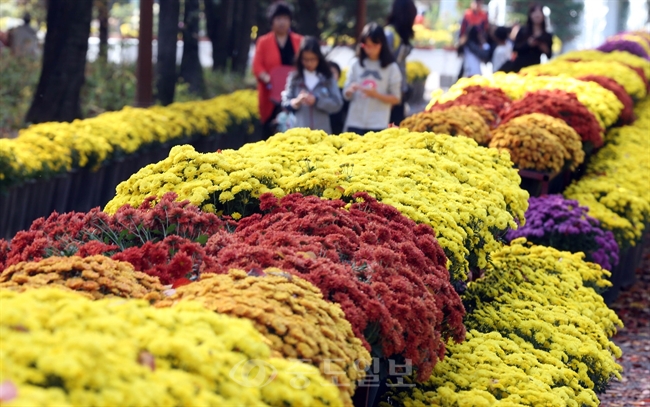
x=565 y=225
x=538 y=336
x=531 y=147
x=492 y=99
x=628 y=44
x=387 y=273
x=62 y=348
x=561 y=105
x=627 y=114
x=569 y=138
x=465 y=192
x=491 y=370
x=615 y=186
x=543 y=296
x=95 y=277
x=161 y=240
x=602 y=103
x=455 y=121
x=292 y=314
x=416 y=71
x=623 y=57
x=50 y=148
x=621 y=73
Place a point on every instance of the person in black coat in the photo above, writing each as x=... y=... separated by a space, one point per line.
x=532 y=40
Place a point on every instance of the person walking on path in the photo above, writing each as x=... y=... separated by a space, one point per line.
x=272 y=50
x=475 y=51
x=477 y=17
x=532 y=40
x=373 y=84
x=23 y=39
x=312 y=93
x=399 y=33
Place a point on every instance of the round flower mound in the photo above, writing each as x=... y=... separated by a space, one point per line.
x=624 y=45
x=568 y=137
x=387 y=273
x=95 y=277
x=621 y=73
x=565 y=225
x=492 y=99
x=603 y=104
x=525 y=294
x=561 y=105
x=292 y=314
x=160 y=240
x=455 y=121
x=468 y=194
x=530 y=147
x=623 y=57
x=627 y=115
x=492 y=370
x=61 y=348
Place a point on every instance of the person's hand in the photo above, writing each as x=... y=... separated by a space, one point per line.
x=532 y=41
x=309 y=99
x=297 y=101
x=370 y=92
x=353 y=87
x=265 y=77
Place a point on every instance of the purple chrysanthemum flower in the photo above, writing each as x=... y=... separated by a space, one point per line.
x=562 y=223
x=624 y=45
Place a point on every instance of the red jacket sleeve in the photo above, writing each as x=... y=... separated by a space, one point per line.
x=258 y=58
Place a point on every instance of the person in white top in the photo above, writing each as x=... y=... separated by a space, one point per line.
x=503 y=51
x=311 y=92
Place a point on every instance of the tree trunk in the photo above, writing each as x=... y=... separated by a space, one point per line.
x=362 y=8
x=167 y=39
x=64 y=61
x=212 y=21
x=191 y=70
x=221 y=49
x=244 y=19
x=307 y=18
x=102 y=16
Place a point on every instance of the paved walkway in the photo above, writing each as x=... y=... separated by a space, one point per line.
x=633 y=307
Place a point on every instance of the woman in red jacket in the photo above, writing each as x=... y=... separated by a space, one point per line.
x=274 y=49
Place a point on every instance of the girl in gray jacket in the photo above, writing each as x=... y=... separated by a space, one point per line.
x=312 y=93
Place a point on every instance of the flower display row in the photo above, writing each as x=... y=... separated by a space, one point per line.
x=625 y=76
x=636 y=43
x=387 y=274
x=61 y=348
x=622 y=57
x=615 y=184
x=601 y=102
x=46 y=149
x=468 y=194
x=627 y=114
x=538 y=334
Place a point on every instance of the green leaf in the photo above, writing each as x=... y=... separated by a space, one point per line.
x=170 y=229
x=202 y=240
